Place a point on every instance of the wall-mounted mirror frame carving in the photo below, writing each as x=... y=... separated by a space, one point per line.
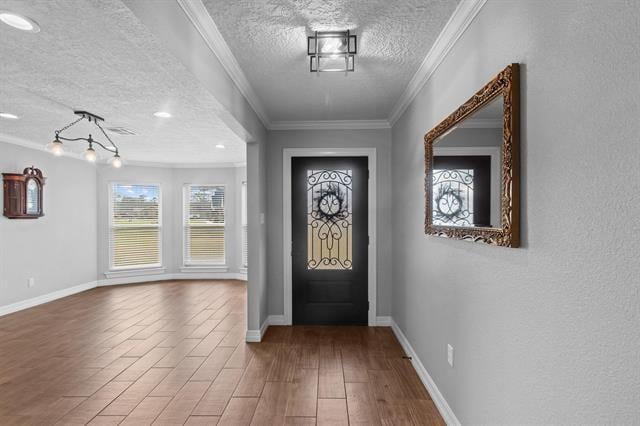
x=507 y=85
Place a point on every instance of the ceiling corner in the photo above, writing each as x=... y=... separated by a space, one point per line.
x=202 y=21
x=462 y=17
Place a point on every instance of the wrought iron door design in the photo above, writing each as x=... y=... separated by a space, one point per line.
x=453 y=197
x=330 y=219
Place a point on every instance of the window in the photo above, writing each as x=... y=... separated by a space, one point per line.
x=204 y=225
x=135 y=223
x=245 y=236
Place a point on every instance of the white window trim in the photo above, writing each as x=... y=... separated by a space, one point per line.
x=132 y=270
x=206 y=268
x=200 y=266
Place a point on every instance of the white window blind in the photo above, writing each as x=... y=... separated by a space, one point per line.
x=135 y=219
x=245 y=239
x=204 y=225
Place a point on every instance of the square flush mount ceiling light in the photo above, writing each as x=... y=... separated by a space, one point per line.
x=331 y=51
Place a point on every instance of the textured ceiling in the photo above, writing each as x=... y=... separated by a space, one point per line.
x=268 y=38
x=95 y=55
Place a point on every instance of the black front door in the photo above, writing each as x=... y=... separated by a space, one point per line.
x=330 y=241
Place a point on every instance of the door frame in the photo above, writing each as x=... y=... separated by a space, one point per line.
x=288 y=154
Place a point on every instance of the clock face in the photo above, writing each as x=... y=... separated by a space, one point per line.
x=33 y=197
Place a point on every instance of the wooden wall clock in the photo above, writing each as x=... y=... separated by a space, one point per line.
x=23 y=194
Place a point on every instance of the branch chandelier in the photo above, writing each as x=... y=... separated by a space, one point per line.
x=57 y=149
x=331 y=51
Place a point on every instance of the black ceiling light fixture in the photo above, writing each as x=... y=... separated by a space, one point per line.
x=57 y=149
x=332 y=51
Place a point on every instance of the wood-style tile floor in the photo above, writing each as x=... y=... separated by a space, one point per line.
x=173 y=353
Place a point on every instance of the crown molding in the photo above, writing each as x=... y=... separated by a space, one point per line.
x=153 y=164
x=330 y=125
x=462 y=17
x=454 y=28
x=201 y=19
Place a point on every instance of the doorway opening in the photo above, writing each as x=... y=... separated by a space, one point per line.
x=329 y=227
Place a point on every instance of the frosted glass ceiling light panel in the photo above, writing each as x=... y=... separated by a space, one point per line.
x=332 y=63
x=331 y=51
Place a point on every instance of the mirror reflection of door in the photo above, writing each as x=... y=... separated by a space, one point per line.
x=33 y=197
x=462 y=190
x=330 y=241
x=466 y=171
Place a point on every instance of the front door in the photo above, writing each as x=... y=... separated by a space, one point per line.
x=330 y=241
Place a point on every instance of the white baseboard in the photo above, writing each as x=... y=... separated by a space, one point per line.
x=443 y=407
x=208 y=276
x=176 y=276
x=276 y=320
x=49 y=297
x=39 y=300
x=257 y=335
x=253 y=336
x=133 y=279
x=384 y=321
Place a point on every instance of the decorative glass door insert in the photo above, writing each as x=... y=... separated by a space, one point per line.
x=329 y=219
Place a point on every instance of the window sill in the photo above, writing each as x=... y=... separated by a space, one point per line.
x=207 y=268
x=116 y=273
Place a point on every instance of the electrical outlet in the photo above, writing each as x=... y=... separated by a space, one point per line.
x=31 y=282
x=450 y=355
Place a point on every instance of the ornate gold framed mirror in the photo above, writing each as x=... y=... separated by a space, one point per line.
x=472 y=183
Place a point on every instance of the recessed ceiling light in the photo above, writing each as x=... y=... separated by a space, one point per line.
x=8 y=115
x=220 y=146
x=162 y=114
x=19 y=21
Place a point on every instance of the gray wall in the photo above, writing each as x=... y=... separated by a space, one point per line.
x=59 y=249
x=172 y=182
x=465 y=136
x=257 y=310
x=547 y=333
x=277 y=141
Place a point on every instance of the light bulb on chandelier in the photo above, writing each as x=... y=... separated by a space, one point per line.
x=55 y=147
x=90 y=154
x=116 y=161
